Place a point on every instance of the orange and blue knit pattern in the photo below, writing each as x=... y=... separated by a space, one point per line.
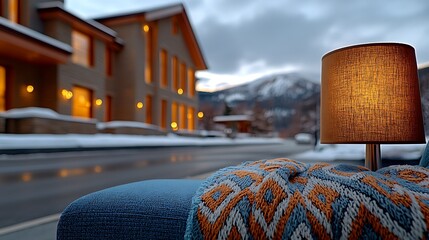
x=285 y=199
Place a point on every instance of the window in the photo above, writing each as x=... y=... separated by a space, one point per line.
x=82 y=49
x=183 y=77
x=191 y=82
x=191 y=122
x=174 y=72
x=108 y=109
x=182 y=116
x=164 y=113
x=149 y=109
x=149 y=48
x=174 y=115
x=2 y=89
x=163 y=68
x=174 y=26
x=13 y=8
x=108 y=61
x=82 y=98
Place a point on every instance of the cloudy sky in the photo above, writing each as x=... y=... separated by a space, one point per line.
x=244 y=39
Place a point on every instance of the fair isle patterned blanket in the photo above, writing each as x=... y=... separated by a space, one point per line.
x=285 y=199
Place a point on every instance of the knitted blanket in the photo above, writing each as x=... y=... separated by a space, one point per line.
x=285 y=199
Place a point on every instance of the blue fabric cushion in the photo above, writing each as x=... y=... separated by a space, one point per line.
x=424 y=161
x=153 y=209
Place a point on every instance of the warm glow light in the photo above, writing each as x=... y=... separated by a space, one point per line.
x=98 y=169
x=146 y=28
x=26 y=177
x=66 y=94
x=200 y=114
x=69 y=95
x=63 y=173
x=30 y=88
x=180 y=91
x=98 y=102
x=174 y=126
x=139 y=105
x=370 y=94
x=189 y=116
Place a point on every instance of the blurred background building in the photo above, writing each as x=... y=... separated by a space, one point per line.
x=137 y=66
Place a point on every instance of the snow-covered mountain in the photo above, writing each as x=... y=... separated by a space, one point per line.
x=285 y=98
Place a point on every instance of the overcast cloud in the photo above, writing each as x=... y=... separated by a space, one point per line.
x=242 y=39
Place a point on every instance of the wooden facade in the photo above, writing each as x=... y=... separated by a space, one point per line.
x=101 y=68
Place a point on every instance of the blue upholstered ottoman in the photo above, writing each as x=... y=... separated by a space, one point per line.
x=153 y=209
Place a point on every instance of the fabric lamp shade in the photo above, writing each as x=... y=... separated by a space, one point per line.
x=370 y=94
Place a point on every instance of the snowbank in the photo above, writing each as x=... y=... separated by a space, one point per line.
x=41 y=113
x=332 y=152
x=47 y=141
x=118 y=124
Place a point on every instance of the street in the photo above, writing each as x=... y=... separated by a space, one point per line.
x=38 y=185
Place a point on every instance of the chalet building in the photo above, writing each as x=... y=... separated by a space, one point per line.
x=131 y=67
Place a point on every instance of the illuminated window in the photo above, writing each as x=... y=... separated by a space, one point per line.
x=108 y=61
x=183 y=80
x=174 y=72
x=149 y=109
x=13 y=7
x=108 y=109
x=164 y=113
x=191 y=117
x=82 y=102
x=182 y=116
x=149 y=48
x=191 y=82
x=174 y=26
x=2 y=89
x=82 y=49
x=163 y=68
x=174 y=112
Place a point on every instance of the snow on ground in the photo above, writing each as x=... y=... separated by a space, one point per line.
x=41 y=113
x=131 y=124
x=46 y=141
x=332 y=152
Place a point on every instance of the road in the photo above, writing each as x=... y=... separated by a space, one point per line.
x=37 y=185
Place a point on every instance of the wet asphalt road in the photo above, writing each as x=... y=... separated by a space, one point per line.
x=37 y=185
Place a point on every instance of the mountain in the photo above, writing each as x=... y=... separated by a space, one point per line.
x=424 y=94
x=286 y=102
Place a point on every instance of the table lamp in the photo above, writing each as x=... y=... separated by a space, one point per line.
x=370 y=95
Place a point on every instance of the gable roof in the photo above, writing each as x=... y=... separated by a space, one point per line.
x=26 y=44
x=56 y=10
x=160 y=13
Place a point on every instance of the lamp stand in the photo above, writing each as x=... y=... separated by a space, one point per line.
x=373 y=156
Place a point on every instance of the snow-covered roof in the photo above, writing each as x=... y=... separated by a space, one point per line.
x=32 y=112
x=171 y=10
x=423 y=65
x=157 y=13
x=55 y=5
x=232 y=118
x=27 y=32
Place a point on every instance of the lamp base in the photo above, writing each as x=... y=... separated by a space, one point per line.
x=373 y=157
